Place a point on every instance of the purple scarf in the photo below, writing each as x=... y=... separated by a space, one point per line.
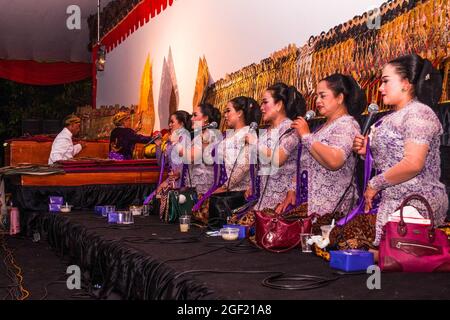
x=220 y=177
x=359 y=209
x=301 y=189
x=161 y=173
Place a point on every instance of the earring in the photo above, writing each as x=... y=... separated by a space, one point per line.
x=403 y=90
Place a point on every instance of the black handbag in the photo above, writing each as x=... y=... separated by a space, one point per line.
x=221 y=206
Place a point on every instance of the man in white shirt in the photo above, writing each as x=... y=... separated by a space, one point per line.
x=63 y=147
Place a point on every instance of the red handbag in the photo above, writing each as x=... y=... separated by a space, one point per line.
x=277 y=234
x=408 y=247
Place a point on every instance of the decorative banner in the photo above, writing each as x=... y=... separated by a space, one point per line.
x=168 y=93
x=175 y=100
x=146 y=110
x=202 y=82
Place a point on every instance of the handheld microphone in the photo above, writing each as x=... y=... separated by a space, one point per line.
x=372 y=110
x=308 y=116
x=212 y=125
x=153 y=139
x=253 y=126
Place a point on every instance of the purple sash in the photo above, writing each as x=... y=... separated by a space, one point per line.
x=220 y=177
x=301 y=188
x=161 y=173
x=256 y=192
x=359 y=209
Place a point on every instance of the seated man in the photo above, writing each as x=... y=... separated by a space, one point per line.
x=123 y=139
x=62 y=147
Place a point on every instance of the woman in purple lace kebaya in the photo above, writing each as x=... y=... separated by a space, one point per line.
x=327 y=159
x=180 y=126
x=240 y=112
x=405 y=144
x=277 y=151
x=201 y=168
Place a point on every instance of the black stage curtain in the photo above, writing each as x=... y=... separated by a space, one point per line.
x=112 y=263
x=81 y=197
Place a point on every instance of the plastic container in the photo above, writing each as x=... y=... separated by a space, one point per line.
x=56 y=200
x=242 y=230
x=229 y=234
x=351 y=260
x=185 y=223
x=136 y=210
x=326 y=231
x=66 y=208
x=54 y=207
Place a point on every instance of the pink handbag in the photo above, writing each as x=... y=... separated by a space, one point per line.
x=407 y=247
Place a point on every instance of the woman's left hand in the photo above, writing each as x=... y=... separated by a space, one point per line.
x=369 y=195
x=301 y=126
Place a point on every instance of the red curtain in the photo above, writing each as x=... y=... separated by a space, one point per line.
x=41 y=73
x=140 y=15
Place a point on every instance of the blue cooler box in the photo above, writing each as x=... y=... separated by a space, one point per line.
x=351 y=260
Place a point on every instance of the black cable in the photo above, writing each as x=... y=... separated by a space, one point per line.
x=48 y=284
x=13 y=290
x=238 y=248
x=161 y=240
x=308 y=282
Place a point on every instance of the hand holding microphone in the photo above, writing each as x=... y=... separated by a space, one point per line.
x=154 y=138
x=301 y=124
x=212 y=125
x=250 y=137
x=360 y=141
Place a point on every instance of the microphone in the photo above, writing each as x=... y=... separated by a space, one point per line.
x=372 y=110
x=212 y=125
x=154 y=138
x=253 y=126
x=308 y=116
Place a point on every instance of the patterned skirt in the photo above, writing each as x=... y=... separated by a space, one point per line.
x=202 y=215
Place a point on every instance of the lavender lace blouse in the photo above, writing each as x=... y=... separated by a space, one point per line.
x=201 y=175
x=174 y=162
x=235 y=156
x=419 y=124
x=326 y=187
x=279 y=179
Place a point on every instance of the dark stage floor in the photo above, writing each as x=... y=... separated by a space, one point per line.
x=42 y=270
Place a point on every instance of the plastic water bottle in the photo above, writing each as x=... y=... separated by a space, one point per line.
x=14 y=221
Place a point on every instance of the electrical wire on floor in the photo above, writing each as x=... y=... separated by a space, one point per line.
x=239 y=248
x=17 y=290
x=83 y=293
x=299 y=282
x=161 y=240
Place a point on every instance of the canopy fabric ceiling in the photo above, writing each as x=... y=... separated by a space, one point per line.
x=37 y=30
